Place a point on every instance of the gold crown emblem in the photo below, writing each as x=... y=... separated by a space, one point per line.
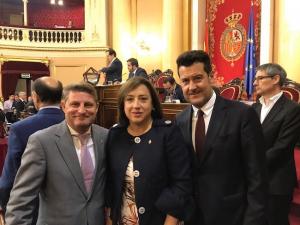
x=233 y=19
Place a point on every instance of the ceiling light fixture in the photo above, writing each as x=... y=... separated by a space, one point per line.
x=60 y=2
x=52 y=2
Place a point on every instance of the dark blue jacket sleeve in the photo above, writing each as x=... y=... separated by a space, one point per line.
x=11 y=165
x=176 y=199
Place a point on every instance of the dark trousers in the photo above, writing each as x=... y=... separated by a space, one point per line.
x=278 y=209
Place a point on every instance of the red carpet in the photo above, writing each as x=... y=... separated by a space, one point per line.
x=295 y=210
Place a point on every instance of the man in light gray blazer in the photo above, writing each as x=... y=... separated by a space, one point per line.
x=71 y=191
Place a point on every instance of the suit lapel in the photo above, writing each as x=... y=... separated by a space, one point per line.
x=218 y=115
x=274 y=111
x=257 y=106
x=98 y=148
x=187 y=127
x=66 y=147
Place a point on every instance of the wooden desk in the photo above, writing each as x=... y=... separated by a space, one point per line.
x=108 y=106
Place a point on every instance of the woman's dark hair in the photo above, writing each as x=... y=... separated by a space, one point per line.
x=129 y=86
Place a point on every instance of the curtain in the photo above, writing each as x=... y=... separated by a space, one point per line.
x=11 y=72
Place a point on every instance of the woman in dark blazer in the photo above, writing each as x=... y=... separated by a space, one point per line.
x=149 y=169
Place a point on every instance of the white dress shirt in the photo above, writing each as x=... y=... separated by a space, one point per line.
x=111 y=62
x=265 y=109
x=133 y=73
x=207 y=110
x=77 y=144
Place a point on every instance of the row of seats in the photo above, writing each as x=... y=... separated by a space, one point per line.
x=234 y=91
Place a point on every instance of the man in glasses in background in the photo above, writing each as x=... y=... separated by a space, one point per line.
x=280 y=118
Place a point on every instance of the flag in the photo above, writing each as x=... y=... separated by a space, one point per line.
x=250 y=61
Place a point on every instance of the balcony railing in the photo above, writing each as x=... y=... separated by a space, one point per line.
x=40 y=37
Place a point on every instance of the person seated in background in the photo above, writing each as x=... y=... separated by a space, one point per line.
x=3 y=132
x=2 y=116
x=16 y=97
x=135 y=70
x=9 y=102
x=20 y=103
x=169 y=72
x=173 y=89
x=280 y=118
x=114 y=69
x=29 y=107
x=149 y=167
x=157 y=72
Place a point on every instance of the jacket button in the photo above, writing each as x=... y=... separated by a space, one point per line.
x=136 y=173
x=142 y=210
x=137 y=140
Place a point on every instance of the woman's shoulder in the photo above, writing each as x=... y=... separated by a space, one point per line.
x=162 y=123
x=116 y=129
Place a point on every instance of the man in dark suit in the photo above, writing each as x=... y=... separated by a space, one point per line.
x=280 y=118
x=114 y=69
x=227 y=147
x=135 y=70
x=173 y=89
x=20 y=103
x=65 y=166
x=46 y=93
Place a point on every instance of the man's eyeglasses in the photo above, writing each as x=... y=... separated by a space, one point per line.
x=262 y=77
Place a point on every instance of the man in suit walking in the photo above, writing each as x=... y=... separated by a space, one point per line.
x=65 y=165
x=135 y=70
x=114 y=69
x=46 y=93
x=226 y=142
x=280 y=118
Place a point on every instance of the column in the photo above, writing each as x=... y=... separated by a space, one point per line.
x=266 y=31
x=25 y=10
x=95 y=13
x=121 y=28
x=287 y=36
x=172 y=32
x=198 y=23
